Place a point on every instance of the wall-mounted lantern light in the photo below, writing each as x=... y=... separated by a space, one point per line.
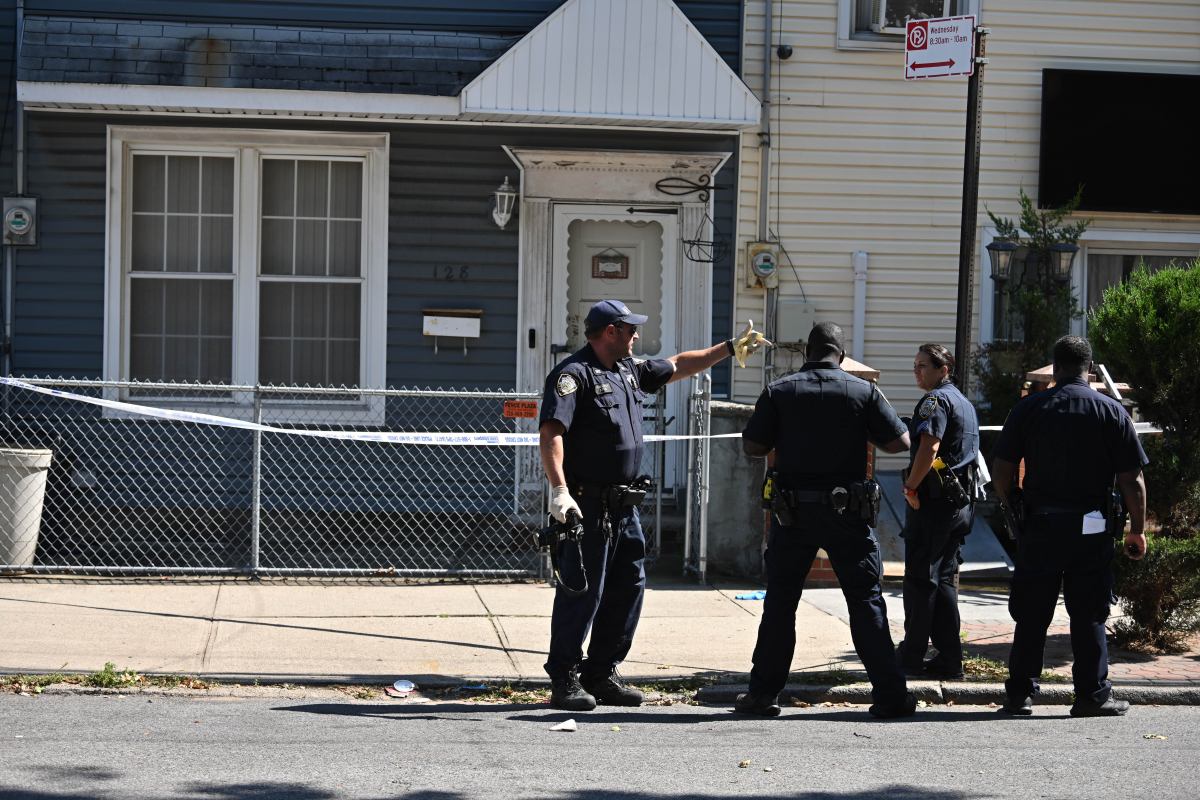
x=1062 y=256
x=1000 y=253
x=506 y=198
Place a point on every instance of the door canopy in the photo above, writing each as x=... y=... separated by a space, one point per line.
x=613 y=62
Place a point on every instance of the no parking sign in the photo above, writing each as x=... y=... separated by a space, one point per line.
x=939 y=48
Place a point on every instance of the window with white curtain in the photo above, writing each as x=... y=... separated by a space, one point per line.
x=310 y=289
x=1107 y=268
x=247 y=257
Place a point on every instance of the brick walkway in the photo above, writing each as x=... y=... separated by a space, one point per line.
x=993 y=640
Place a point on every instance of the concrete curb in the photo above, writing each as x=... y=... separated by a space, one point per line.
x=959 y=693
x=931 y=692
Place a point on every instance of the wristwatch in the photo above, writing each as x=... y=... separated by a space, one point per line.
x=910 y=492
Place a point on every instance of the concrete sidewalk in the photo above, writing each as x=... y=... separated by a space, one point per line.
x=444 y=633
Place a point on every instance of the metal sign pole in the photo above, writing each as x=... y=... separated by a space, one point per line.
x=970 y=212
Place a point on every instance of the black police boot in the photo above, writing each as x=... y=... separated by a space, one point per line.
x=567 y=694
x=939 y=668
x=1109 y=708
x=748 y=703
x=1018 y=706
x=903 y=708
x=610 y=690
x=912 y=668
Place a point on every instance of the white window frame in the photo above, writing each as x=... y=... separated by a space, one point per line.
x=850 y=39
x=248 y=147
x=1099 y=240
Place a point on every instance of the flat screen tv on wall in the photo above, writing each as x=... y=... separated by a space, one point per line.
x=1129 y=138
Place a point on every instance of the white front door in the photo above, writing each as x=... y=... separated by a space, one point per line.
x=603 y=252
x=596 y=225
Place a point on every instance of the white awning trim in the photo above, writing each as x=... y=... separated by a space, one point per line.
x=614 y=62
x=240 y=102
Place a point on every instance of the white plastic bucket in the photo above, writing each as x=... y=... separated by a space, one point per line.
x=22 y=490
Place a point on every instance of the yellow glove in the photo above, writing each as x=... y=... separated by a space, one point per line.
x=748 y=341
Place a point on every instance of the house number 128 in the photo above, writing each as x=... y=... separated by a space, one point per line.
x=449 y=273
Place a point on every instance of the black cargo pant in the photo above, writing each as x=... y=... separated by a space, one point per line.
x=612 y=605
x=933 y=537
x=854 y=555
x=1053 y=554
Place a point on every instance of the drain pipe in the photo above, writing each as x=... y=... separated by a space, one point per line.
x=859 y=261
x=10 y=252
x=764 y=188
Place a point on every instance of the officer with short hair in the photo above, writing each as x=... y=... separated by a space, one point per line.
x=819 y=421
x=944 y=430
x=590 y=437
x=1074 y=440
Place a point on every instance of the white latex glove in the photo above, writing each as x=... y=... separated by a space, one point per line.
x=747 y=342
x=561 y=503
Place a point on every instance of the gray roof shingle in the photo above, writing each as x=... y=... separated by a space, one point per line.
x=248 y=56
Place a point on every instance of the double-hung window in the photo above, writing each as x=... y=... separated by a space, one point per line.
x=879 y=24
x=1107 y=257
x=247 y=258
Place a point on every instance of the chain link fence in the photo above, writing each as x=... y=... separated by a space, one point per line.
x=289 y=481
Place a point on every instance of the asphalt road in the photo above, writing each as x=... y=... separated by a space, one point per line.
x=156 y=747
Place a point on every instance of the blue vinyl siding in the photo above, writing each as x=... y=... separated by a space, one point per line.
x=8 y=92
x=440 y=193
x=718 y=20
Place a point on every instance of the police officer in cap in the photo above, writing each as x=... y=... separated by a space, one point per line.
x=819 y=421
x=590 y=431
x=944 y=431
x=1074 y=441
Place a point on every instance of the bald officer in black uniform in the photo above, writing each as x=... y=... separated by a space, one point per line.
x=591 y=448
x=943 y=426
x=819 y=421
x=1074 y=440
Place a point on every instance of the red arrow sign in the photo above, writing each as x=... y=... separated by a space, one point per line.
x=947 y=63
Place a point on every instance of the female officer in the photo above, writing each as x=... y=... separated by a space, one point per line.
x=945 y=440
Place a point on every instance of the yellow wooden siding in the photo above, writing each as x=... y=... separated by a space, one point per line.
x=864 y=160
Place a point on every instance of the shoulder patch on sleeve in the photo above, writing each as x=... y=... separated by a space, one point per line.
x=928 y=406
x=567 y=383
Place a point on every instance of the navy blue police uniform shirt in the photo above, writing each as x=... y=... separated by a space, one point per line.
x=945 y=414
x=1074 y=440
x=819 y=421
x=601 y=409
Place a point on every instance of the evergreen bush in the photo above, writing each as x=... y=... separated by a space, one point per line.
x=1147 y=332
x=1160 y=596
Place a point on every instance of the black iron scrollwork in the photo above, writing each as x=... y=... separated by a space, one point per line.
x=678 y=186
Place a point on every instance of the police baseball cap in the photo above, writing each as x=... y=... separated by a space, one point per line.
x=606 y=312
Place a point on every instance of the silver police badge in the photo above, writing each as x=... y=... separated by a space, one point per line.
x=928 y=406
x=566 y=384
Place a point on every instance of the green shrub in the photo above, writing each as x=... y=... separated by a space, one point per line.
x=1160 y=596
x=1147 y=332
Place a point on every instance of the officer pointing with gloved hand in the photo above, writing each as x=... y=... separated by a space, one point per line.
x=590 y=436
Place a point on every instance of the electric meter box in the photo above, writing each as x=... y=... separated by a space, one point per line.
x=762 y=264
x=20 y=220
x=794 y=320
